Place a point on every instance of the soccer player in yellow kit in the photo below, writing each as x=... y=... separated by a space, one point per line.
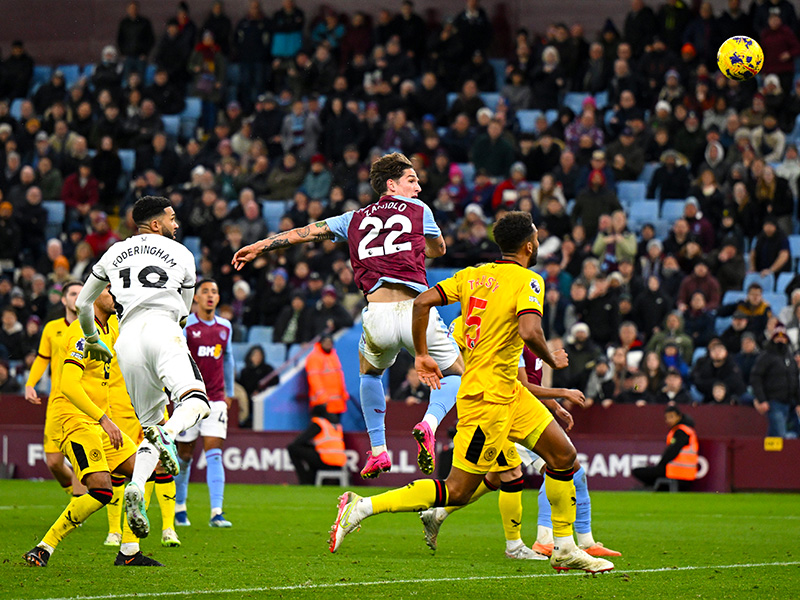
x=51 y=352
x=502 y=307
x=124 y=416
x=93 y=443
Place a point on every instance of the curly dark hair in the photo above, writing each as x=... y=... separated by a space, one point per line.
x=149 y=207
x=512 y=230
x=385 y=168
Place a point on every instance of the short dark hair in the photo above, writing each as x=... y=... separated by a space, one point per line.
x=148 y=207
x=69 y=284
x=387 y=167
x=755 y=285
x=513 y=230
x=673 y=409
x=206 y=280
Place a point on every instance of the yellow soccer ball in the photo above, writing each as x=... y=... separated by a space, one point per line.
x=740 y=58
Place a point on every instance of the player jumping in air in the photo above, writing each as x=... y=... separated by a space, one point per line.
x=501 y=303
x=152 y=279
x=389 y=241
x=209 y=338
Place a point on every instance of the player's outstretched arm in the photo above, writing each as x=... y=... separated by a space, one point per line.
x=531 y=332
x=310 y=233
x=95 y=347
x=435 y=247
x=427 y=369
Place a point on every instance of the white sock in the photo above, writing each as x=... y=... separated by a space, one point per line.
x=585 y=540
x=512 y=545
x=432 y=422
x=441 y=513
x=364 y=507
x=129 y=549
x=185 y=415
x=215 y=512
x=47 y=547
x=146 y=461
x=544 y=535
x=180 y=507
x=563 y=545
x=376 y=450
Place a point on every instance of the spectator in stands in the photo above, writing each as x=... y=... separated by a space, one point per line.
x=593 y=201
x=672 y=333
x=492 y=152
x=699 y=321
x=287 y=30
x=294 y=323
x=10 y=238
x=135 y=39
x=412 y=391
x=671 y=179
x=774 y=379
x=207 y=66
x=746 y=358
x=618 y=244
x=601 y=313
x=673 y=392
x=780 y=46
x=699 y=226
x=330 y=316
x=80 y=193
x=700 y=280
x=600 y=384
x=583 y=353
x=771 y=252
x=732 y=336
x=467 y=102
x=101 y=236
x=8 y=384
x=12 y=333
x=718 y=365
x=17 y=72
x=285 y=178
x=728 y=266
x=254 y=371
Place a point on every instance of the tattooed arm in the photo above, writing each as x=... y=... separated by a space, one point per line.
x=435 y=247
x=315 y=232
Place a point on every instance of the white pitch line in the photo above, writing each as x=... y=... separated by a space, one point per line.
x=318 y=586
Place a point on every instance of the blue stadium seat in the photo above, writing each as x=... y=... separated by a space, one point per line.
x=721 y=324
x=601 y=99
x=88 y=71
x=490 y=99
x=672 y=210
x=629 y=192
x=192 y=244
x=259 y=334
x=794 y=248
x=644 y=211
x=41 y=74
x=551 y=115
x=172 y=125
x=15 y=110
x=662 y=228
x=698 y=354
x=733 y=296
x=272 y=211
x=192 y=109
x=451 y=98
x=499 y=66
x=776 y=300
x=574 y=101
x=794 y=137
x=767 y=283
x=647 y=173
x=468 y=169
x=72 y=73
x=239 y=350
x=275 y=354
x=527 y=120
x=784 y=279
x=56 y=211
x=128 y=158
x=149 y=74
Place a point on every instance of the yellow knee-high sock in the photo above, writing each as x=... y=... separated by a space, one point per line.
x=484 y=488
x=77 y=511
x=560 y=490
x=114 y=507
x=165 y=494
x=417 y=495
x=510 y=504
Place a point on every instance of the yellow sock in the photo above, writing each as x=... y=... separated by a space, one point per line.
x=482 y=490
x=114 y=508
x=417 y=495
x=77 y=511
x=165 y=493
x=560 y=490
x=510 y=504
x=68 y=490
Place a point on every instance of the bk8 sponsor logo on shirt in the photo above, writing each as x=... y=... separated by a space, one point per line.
x=209 y=351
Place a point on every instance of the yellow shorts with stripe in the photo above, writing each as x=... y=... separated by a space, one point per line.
x=52 y=431
x=89 y=448
x=130 y=426
x=485 y=430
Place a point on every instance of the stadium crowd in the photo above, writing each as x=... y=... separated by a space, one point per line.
x=665 y=194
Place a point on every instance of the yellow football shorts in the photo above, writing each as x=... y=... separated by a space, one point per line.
x=485 y=430
x=89 y=448
x=52 y=431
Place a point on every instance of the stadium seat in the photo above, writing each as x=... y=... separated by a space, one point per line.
x=272 y=211
x=190 y=115
x=192 y=243
x=275 y=354
x=72 y=73
x=647 y=173
x=662 y=228
x=644 y=211
x=672 y=210
x=784 y=279
x=794 y=137
x=698 y=353
x=128 y=158
x=56 y=211
x=239 y=350
x=733 y=296
x=15 y=110
x=527 y=120
x=499 y=66
x=767 y=283
x=601 y=99
x=88 y=71
x=451 y=98
x=721 y=324
x=490 y=99
x=551 y=115
x=629 y=192
x=172 y=125
x=776 y=300
x=41 y=74
x=574 y=101
x=259 y=334
x=794 y=248
x=468 y=169
x=149 y=74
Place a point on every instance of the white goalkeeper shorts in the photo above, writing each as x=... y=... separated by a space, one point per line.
x=214 y=425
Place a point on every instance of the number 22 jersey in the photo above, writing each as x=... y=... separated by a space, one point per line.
x=147 y=272
x=387 y=241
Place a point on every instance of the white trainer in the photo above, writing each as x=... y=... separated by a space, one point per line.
x=169 y=539
x=347 y=520
x=522 y=552
x=579 y=560
x=432 y=519
x=136 y=511
x=113 y=539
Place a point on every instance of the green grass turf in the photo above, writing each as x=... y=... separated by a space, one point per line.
x=278 y=549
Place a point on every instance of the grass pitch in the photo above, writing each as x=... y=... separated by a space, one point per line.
x=674 y=546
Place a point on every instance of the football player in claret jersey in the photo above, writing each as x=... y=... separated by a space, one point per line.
x=152 y=279
x=209 y=339
x=94 y=444
x=51 y=351
x=502 y=307
x=388 y=241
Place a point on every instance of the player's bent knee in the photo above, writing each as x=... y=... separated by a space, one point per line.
x=102 y=495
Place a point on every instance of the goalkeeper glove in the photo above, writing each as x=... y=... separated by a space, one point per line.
x=96 y=348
